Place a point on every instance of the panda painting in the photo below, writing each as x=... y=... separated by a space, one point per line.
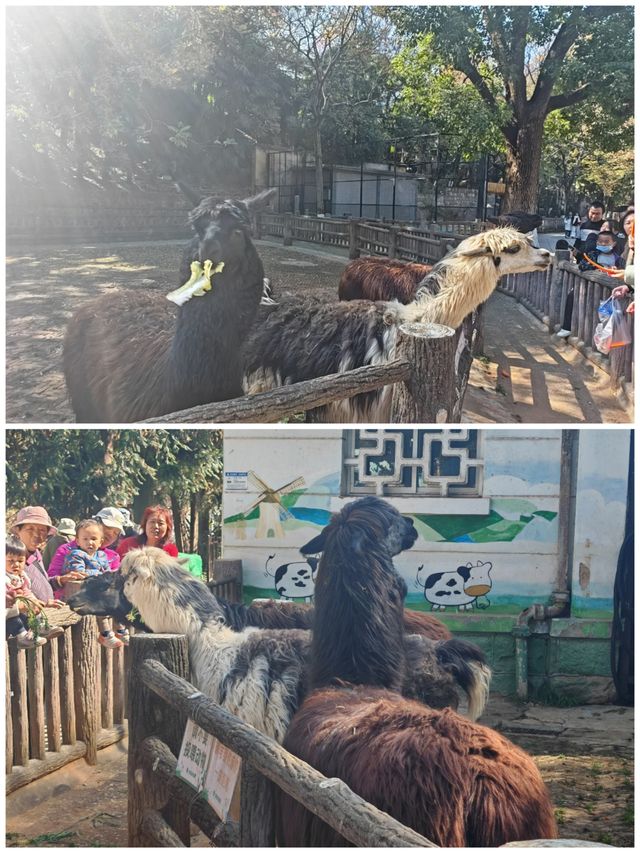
x=461 y=588
x=294 y=580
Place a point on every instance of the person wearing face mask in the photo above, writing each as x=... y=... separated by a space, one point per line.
x=604 y=253
x=157 y=529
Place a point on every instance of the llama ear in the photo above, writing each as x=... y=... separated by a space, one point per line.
x=263 y=199
x=315 y=546
x=138 y=567
x=477 y=253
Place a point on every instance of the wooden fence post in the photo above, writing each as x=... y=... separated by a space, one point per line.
x=257 y=818
x=478 y=341
x=86 y=672
x=7 y=709
x=149 y=716
x=287 y=230
x=354 y=247
x=555 y=295
x=430 y=394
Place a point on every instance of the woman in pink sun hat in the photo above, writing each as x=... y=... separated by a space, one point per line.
x=32 y=525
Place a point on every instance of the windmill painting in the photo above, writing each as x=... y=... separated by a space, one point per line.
x=271 y=511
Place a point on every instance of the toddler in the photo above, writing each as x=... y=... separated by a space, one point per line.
x=20 y=600
x=89 y=559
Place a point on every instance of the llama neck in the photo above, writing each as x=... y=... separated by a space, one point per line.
x=357 y=631
x=210 y=330
x=465 y=285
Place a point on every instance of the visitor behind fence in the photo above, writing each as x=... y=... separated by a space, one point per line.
x=627 y=225
x=32 y=526
x=112 y=524
x=603 y=253
x=157 y=530
x=21 y=605
x=593 y=222
x=88 y=559
x=66 y=529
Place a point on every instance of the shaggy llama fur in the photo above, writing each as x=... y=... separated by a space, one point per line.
x=260 y=675
x=135 y=355
x=455 y=782
x=302 y=339
x=381 y=280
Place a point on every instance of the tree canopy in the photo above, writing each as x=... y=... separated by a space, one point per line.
x=75 y=472
x=122 y=96
x=512 y=66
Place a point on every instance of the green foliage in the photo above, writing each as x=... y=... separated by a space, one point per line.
x=480 y=72
x=75 y=472
x=444 y=99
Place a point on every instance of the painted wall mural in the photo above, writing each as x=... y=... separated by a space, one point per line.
x=463 y=589
x=493 y=555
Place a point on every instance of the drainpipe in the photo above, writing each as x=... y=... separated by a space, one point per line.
x=561 y=595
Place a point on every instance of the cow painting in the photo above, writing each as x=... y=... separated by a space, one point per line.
x=294 y=580
x=461 y=588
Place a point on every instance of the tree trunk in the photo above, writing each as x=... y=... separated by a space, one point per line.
x=193 y=522
x=176 y=511
x=524 y=150
x=319 y=176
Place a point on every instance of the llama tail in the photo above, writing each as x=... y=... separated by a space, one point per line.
x=467 y=663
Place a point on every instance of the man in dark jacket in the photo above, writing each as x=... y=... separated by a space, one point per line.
x=593 y=222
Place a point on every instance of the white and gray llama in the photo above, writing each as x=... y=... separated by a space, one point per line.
x=301 y=339
x=261 y=675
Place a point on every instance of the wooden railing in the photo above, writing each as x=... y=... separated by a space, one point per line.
x=545 y=295
x=429 y=377
x=425 y=244
x=64 y=700
x=161 y=806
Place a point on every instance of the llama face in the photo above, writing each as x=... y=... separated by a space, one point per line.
x=508 y=249
x=401 y=536
x=101 y=595
x=224 y=235
x=383 y=521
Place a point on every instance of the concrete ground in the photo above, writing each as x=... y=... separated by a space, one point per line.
x=585 y=756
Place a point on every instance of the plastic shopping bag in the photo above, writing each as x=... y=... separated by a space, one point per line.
x=605 y=309
x=621 y=325
x=613 y=332
x=602 y=336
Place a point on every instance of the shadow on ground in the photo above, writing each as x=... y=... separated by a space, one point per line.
x=585 y=755
x=524 y=378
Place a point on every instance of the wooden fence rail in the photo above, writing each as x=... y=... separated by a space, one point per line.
x=160 y=810
x=424 y=244
x=429 y=377
x=545 y=295
x=64 y=700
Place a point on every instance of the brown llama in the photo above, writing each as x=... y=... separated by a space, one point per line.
x=457 y=783
x=381 y=280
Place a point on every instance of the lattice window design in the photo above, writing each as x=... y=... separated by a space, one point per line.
x=438 y=462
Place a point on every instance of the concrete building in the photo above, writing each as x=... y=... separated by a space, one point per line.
x=508 y=520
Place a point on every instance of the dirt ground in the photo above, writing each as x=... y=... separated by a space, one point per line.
x=526 y=376
x=585 y=756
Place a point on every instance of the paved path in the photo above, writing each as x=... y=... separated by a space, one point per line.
x=529 y=376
